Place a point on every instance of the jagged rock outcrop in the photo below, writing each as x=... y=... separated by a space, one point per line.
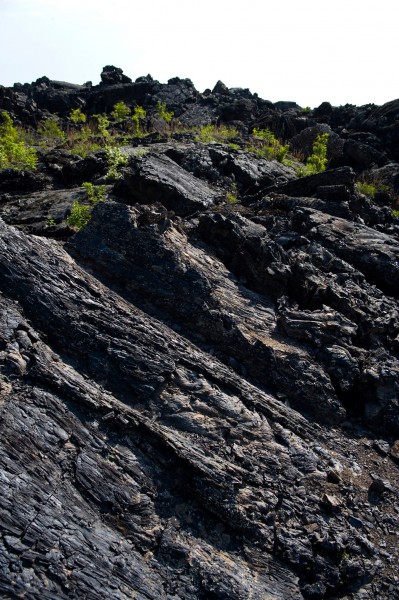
x=199 y=398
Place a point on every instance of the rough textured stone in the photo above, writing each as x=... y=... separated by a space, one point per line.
x=199 y=396
x=156 y=178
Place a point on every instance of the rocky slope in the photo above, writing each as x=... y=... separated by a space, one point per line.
x=199 y=399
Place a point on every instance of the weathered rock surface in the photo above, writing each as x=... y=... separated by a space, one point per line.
x=199 y=399
x=42 y=213
x=138 y=445
x=156 y=178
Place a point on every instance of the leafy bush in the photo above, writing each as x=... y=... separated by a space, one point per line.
x=77 y=116
x=231 y=196
x=81 y=213
x=14 y=152
x=121 y=112
x=79 y=217
x=317 y=162
x=95 y=193
x=50 y=129
x=138 y=115
x=103 y=124
x=167 y=116
x=266 y=145
x=115 y=159
x=370 y=189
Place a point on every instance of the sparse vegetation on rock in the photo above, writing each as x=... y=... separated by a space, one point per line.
x=317 y=161
x=268 y=146
x=14 y=151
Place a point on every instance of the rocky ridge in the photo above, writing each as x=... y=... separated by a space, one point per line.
x=200 y=398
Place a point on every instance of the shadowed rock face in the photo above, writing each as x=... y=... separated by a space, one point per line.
x=198 y=399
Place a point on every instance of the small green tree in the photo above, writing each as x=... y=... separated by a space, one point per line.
x=77 y=116
x=103 y=124
x=166 y=115
x=268 y=146
x=14 y=152
x=116 y=159
x=317 y=161
x=95 y=193
x=79 y=217
x=121 y=112
x=138 y=115
x=81 y=213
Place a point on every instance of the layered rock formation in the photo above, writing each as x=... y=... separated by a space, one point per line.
x=199 y=399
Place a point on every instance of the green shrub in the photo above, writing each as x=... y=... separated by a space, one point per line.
x=116 y=159
x=138 y=115
x=79 y=217
x=103 y=124
x=396 y=213
x=231 y=196
x=370 y=189
x=50 y=129
x=266 y=145
x=167 y=116
x=81 y=213
x=206 y=134
x=317 y=162
x=95 y=193
x=121 y=112
x=14 y=152
x=77 y=116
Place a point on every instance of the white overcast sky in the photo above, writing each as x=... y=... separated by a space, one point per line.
x=309 y=51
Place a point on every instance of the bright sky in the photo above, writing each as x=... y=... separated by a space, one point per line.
x=308 y=51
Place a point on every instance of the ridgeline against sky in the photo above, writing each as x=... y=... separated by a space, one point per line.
x=309 y=51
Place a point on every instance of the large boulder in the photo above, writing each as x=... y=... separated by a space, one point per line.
x=156 y=178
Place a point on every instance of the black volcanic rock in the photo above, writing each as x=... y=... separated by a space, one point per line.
x=383 y=121
x=362 y=156
x=12 y=180
x=156 y=178
x=111 y=75
x=162 y=265
x=199 y=390
x=306 y=186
